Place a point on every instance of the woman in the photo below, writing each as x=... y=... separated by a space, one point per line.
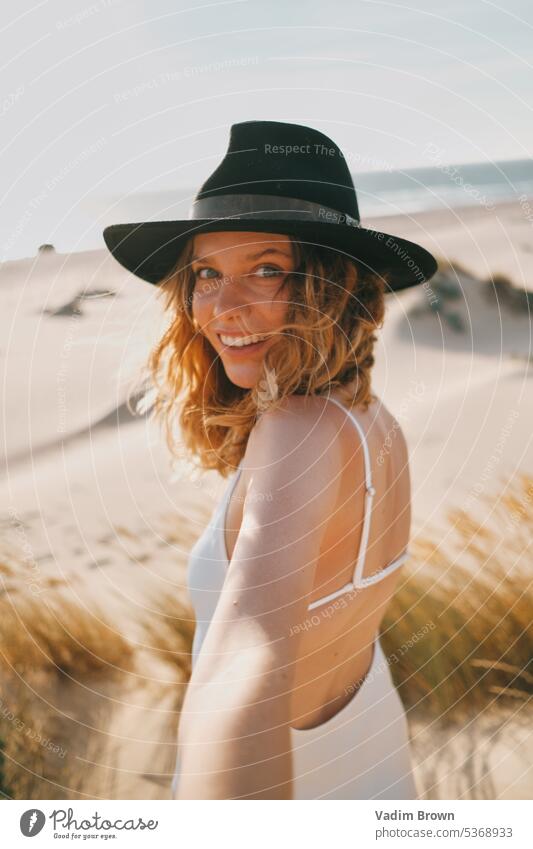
x=275 y=291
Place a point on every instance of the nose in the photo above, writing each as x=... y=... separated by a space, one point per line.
x=230 y=297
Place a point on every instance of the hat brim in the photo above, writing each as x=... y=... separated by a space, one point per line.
x=149 y=249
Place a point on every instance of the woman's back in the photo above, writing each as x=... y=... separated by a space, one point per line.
x=336 y=638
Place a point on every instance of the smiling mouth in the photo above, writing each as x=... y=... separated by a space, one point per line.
x=255 y=340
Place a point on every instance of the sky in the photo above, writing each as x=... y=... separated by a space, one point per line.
x=116 y=111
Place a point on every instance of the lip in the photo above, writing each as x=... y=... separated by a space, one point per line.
x=240 y=352
x=235 y=333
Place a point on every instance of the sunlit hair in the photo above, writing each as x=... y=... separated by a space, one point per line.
x=334 y=306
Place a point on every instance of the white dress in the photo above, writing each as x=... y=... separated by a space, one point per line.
x=362 y=752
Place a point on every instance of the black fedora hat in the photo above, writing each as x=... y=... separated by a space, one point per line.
x=275 y=178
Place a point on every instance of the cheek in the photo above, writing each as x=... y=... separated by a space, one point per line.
x=280 y=305
x=200 y=305
x=271 y=314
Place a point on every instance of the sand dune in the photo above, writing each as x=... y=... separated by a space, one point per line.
x=86 y=486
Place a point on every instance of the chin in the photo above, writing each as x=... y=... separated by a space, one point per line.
x=244 y=377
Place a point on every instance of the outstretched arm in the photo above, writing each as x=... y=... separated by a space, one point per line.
x=234 y=732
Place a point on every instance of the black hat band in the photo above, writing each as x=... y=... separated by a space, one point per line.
x=268 y=207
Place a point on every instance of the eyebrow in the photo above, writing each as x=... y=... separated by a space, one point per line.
x=251 y=256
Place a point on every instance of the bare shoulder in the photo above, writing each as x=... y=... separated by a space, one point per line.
x=392 y=450
x=291 y=472
x=298 y=435
x=389 y=424
x=292 y=466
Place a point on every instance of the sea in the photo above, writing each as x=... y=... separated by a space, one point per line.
x=381 y=192
x=443 y=186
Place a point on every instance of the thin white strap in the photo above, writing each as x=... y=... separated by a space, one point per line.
x=377 y=576
x=358 y=580
x=368 y=470
x=365 y=582
x=335 y=594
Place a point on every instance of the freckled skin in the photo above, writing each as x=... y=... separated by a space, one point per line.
x=240 y=288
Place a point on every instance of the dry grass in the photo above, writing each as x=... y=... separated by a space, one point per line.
x=57 y=634
x=458 y=635
x=447 y=287
x=462 y=618
x=50 y=736
x=169 y=630
x=57 y=659
x=497 y=288
x=500 y=288
x=43 y=628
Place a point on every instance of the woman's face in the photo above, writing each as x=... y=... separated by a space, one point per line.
x=238 y=293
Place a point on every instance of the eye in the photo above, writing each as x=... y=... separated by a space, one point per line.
x=204 y=273
x=269 y=271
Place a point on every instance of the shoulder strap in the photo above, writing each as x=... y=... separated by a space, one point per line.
x=358 y=580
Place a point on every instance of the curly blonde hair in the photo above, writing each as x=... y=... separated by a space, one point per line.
x=334 y=306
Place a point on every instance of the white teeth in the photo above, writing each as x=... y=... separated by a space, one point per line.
x=240 y=342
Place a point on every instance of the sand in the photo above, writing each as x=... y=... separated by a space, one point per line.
x=87 y=489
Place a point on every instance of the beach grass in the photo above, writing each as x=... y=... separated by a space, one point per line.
x=168 y=629
x=458 y=636
x=459 y=631
x=57 y=658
